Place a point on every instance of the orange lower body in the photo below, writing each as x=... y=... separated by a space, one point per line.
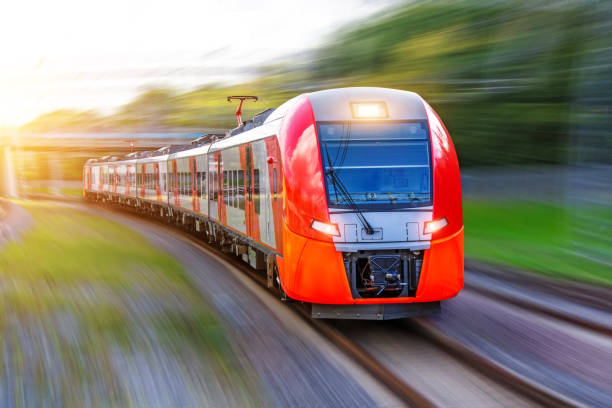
x=313 y=271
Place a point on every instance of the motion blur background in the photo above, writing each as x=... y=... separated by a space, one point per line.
x=523 y=87
x=98 y=308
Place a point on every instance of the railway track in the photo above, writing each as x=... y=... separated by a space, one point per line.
x=598 y=300
x=456 y=363
x=410 y=394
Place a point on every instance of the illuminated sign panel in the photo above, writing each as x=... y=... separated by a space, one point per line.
x=369 y=110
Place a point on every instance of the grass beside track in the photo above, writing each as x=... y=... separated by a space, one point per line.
x=535 y=237
x=85 y=300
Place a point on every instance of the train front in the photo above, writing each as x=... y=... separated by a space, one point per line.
x=373 y=223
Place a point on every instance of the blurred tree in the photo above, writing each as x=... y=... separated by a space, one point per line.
x=64 y=120
x=151 y=110
x=502 y=75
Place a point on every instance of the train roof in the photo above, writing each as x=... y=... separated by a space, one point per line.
x=327 y=105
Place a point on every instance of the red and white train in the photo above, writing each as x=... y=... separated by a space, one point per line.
x=347 y=199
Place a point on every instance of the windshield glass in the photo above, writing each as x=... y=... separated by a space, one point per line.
x=376 y=163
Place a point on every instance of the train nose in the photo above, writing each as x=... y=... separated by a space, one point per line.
x=404 y=230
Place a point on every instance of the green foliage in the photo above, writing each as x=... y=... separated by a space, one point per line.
x=503 y=76
x=534 y=237
x=514 y=81
x=92 y=293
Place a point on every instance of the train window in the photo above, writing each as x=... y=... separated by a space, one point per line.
x=235 y=188
x=241 y=189
x=398 y=174
x=203 y=184
x=248 y=174
x=275 y=185
x=214 y=186
x=225 y=186
x=189 y=183
x=229 y=188
x=198 y=185
x=256 y=188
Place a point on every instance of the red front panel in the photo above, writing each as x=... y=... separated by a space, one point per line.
x=303 y=182
x=447 y=182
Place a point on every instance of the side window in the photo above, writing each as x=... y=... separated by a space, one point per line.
x=214 y=185
x=241 y=189
x=248 y=174
x=203 y=184
x=235 y=188
x=256 y=190
x=230 y=188
x=225 y=186
x=198 y=184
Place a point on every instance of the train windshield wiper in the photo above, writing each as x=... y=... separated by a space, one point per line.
x=339 y=187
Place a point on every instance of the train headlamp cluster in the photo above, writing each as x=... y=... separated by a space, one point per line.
x=326 y=228
x=369 y=110
x=434 y=225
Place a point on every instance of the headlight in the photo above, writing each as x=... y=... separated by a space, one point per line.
x=326 y=228
x=435 y=225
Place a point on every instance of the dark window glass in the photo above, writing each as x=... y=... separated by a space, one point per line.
x=203 y=185
x=241 y=189
x=231 y=188
x=256 y=188
x=225 y=183
x=377 y=163
x=198 y=182
x=214 y=185
x=248 y=174
x=235 y=188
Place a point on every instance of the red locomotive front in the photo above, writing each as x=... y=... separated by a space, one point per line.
x=372 y=204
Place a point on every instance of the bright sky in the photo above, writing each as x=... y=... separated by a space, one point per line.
x=99 y=54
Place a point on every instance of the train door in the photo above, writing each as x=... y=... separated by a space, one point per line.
x=219 y=186
x=193 y=169
x=114 y=178
x=201 y=184
x=175 y=185
x=157 y=181
x=248 y=189
x=253 y=201
x=212 y=188
x=273 y=202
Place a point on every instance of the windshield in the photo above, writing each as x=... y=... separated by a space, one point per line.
x=376 y=163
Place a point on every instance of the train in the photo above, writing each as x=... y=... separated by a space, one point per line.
x=347 y=200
